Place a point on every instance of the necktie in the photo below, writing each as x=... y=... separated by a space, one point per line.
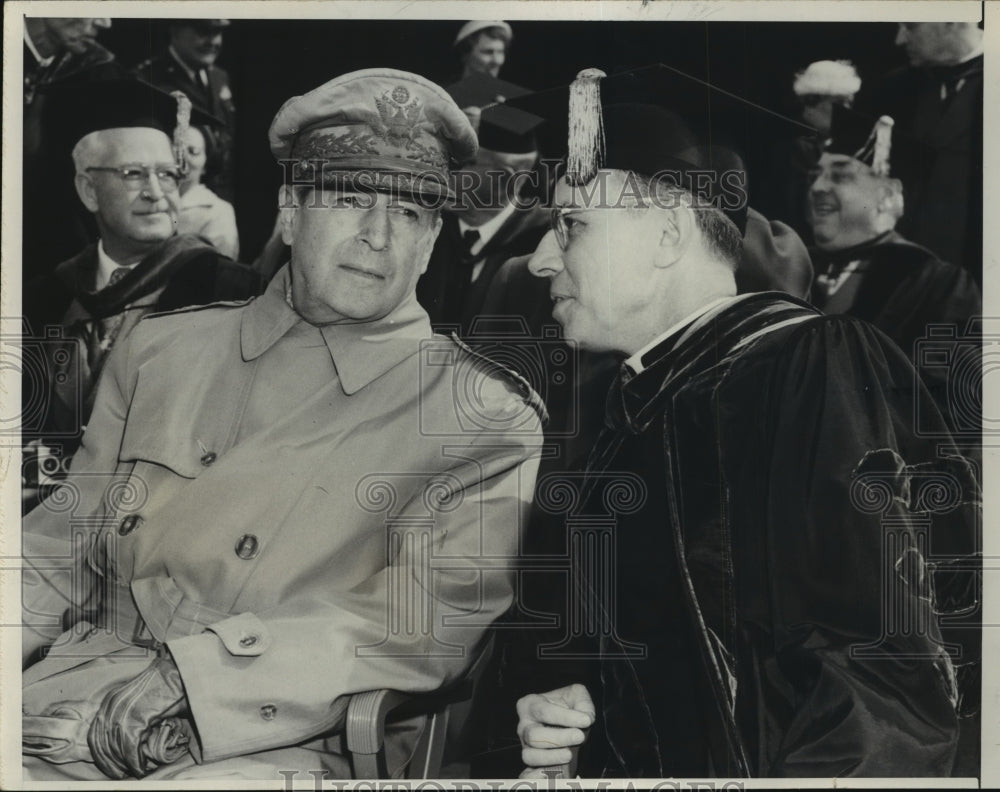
x=469 y=240
x=116 y=275
x=203 y=78
x=105 y=331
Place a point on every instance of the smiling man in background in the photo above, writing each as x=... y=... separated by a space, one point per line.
x=128 y=179
x=865 y=267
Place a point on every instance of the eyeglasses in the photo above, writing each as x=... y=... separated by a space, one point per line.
x=557 y=219
x=135 y=177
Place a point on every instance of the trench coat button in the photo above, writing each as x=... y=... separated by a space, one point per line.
x=208 y=458
x=248 y=640
x=247 y=547
x=128 y=524
x=268 y=711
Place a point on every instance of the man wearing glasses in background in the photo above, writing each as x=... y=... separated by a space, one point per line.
x=127 y=176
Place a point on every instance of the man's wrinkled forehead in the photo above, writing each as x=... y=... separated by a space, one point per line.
x=603 y=190
x=133 y=144
x=843 y=163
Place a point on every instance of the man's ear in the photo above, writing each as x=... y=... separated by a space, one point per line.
x=288 y=208
x=676 y=227
x=438 y=222
x=85 y=189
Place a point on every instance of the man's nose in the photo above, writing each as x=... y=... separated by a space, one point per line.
x=900 y=35
x=154 y=190
x=546 y=261
x=375 y=225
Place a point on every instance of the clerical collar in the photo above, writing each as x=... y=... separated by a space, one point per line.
x=106 y=265
x=489 y=229
x=635 y=363
x=42 y=62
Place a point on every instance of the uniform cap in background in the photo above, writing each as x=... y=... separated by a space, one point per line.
x=400 y=130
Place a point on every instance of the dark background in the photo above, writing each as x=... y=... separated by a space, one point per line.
x=271 y=60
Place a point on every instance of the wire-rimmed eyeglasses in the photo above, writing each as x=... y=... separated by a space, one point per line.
x=136 y=176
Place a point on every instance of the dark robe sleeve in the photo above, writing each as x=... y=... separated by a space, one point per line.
x=859 y=682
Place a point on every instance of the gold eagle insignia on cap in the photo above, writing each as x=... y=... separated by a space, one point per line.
x=399 y=120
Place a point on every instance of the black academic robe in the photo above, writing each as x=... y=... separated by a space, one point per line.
x=764 y=494
x=446 y=290
x=61 y=309
x=943 y=175
x=904 y=290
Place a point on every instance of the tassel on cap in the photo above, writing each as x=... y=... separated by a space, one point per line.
x=878 y=147
x=181 y=129
x=586 y=128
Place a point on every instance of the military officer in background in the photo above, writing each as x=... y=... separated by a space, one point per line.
x=291 y=468
x=188 y=65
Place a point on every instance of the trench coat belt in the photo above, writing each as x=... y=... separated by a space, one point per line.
x=154 y=610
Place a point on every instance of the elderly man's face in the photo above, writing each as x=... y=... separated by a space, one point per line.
x=76 y=35
x=844 y=202
x=132 y=216
x=932 y=43
x=487 y=55
x=355 y=256
x=601 y=278
x=197 y=45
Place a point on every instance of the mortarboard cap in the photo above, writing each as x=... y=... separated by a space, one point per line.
x=88 y=107
x=655 y=119
x=873 y=141
x=501 y=127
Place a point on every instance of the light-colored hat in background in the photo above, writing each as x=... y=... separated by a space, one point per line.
x=827 y=78
x=469 y=28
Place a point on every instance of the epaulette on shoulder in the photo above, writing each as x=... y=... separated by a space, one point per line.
x=193 y=308
x=520 y=385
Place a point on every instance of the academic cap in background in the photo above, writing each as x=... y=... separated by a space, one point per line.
x=81 y=109
x=878 y=142
x=501 y=127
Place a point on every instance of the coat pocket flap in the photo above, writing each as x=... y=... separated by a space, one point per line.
x=168 y=432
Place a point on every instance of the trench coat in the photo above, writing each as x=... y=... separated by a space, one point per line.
x=360 y=537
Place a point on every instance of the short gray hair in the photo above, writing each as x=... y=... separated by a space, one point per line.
x=722 y=237
x=88 y=150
